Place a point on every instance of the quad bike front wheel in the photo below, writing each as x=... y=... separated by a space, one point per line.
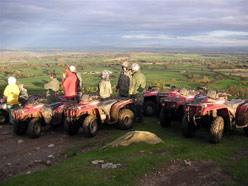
x=125 y=120
x=34 y=128
x=90 y=126
x=149 y=108
x=216 y=130
x=71 y=128
x=20 y=128
x=3 y=117
x=188 y=128
x=165 y=117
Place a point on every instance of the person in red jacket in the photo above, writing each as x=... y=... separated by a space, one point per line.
x=70 y=84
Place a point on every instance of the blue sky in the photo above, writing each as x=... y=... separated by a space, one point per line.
x=123 y=23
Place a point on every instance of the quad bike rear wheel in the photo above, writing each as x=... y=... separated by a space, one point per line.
x=216 y=130
x=71 y=128
x=188 y=128
x=34 y=128
x=20 y=128
x=4 y=117
x=126 y=118
x=149 y=108
x=90 y=126
x=165 y=117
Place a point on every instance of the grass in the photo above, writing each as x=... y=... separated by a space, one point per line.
x=138 y=159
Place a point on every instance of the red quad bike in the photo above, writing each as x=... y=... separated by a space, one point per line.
x=32 y=118
x=4 y=113
x=215 y=113
x=91 y=114
x=172 y=106
x=150 y=101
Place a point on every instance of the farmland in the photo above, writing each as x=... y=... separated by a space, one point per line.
x=196 y=160
x=222 y=72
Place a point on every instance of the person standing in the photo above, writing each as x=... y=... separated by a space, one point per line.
x=124 y=80
x=52 y=88
x=136 y=91
x=11 y=92
x=69 y=83
x=79 y=82
x=104 y=86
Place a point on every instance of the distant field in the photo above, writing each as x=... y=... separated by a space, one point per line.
x=215 y=71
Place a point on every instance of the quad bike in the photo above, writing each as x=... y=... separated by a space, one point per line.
x=32 y=118
x=92 y=114
x=172 y=107
x=152 y=99
x=4 y=113
x=216 y=114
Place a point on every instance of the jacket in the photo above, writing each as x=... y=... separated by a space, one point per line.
x=12 y=93
x=70 y=85
x=138 y=84
x=105 y=89
x=53 y=85
x=124 y=83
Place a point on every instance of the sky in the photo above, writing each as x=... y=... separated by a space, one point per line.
x=123 y=23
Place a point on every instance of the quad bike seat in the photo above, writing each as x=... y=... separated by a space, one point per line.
x=47 y=111
x=106 y=105
x=233 y=104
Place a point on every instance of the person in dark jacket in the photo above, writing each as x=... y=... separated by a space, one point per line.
x=52 y=88
x=124 y=80
x=136 y=91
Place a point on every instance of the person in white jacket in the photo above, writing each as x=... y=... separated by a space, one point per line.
x=104 y=86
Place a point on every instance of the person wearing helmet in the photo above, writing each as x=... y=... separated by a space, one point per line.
x=52 y=88
x=69 y=83
x=23 y=96
x=104 y=86
x=79 y=82
x=136 y=91
x=11 y=92
x=124 y=80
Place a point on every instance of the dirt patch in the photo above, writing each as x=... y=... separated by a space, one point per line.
x=22 y=155
x=186 y=172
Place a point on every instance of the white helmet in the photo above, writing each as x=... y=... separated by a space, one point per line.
x=72 y=68
x=11 y=80
x=135 y=67
x=105 y=74
x=125 y=64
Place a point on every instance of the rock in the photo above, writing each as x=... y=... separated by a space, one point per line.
x=109 y=165
x=9 y=164
x=20 y=141
x=36 y=161
x=37 y=148
x=187 y=162
x=28 y=172
x=135 y=137
x=48 y=162
x=1 y=127
x=50 y=156
x=51 y=145
x=95 y=162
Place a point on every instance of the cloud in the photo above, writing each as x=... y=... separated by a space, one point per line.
x=125 y=21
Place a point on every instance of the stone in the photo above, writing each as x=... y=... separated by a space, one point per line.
x=50 y=156
x=51 y=145
x=4 y=133
x=20 y=141
x=95 y=162
x=9 y=164
x=48 y=162
x=135 y=137
x=29 y=172
x=187 y=162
